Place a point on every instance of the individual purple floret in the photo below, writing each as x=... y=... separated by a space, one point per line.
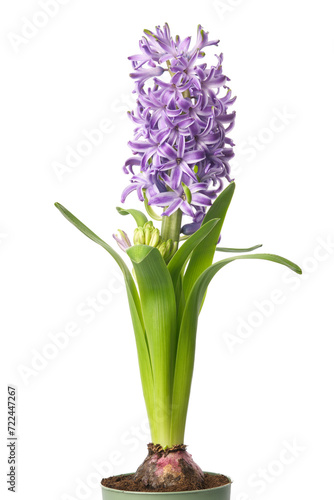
x=181 y=151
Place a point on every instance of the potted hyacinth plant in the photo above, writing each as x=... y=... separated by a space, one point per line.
x=180 y=163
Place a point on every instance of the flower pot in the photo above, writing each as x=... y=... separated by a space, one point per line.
x=218 y=493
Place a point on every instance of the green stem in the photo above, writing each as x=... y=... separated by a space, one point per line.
x=170 y=227
x=177 y=435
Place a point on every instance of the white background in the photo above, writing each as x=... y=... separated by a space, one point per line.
x=259 y=388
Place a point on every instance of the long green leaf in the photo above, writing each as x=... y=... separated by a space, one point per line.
x=145 y=364
x=203 y=254
x=237 y=250
x=159 y=313
x=135 y=309
x=87 y=232
x=187 y=339
x=138 y=216
x=176 y=264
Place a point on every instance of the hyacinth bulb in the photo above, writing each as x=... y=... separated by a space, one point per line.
x=164 y=468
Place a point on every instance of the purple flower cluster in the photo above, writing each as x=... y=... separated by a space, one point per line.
x=181 y=149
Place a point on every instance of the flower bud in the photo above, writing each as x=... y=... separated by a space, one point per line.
x=173 y=249
x=122 y=240
x=169 y=247
x=149 y=223
x=162 y=249
x=147 y=233
x=139 y=236
x=155 y=238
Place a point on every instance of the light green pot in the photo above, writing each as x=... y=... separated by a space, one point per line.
x=219 y=493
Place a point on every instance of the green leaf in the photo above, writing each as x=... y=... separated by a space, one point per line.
x=139 y=217
x=181 y=256
x=202 y=256
x=145 y=364
x=237 y=250
x=135 y=310
x=87 y=232
x=187 y=339
x=159 y=313
x=150 y=210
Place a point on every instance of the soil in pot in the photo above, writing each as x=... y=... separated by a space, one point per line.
x=171 y=469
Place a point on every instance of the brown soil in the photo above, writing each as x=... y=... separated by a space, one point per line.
x=128 y=483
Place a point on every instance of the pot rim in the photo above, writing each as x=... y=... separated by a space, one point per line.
x=168 y=492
